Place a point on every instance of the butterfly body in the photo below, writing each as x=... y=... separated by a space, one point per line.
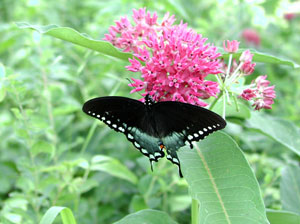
x=153 y=127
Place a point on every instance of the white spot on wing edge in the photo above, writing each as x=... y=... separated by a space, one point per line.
x=209 y=127
x=89 y=112
x=137 y=144
x=190 y=137
x=98 y=115
x=130 y=136
x=204 y=129
x=151 y=156
x=121 y=129
x=144 y=151
x=114 y=126
x=175 y=160
x=196 y=135
x=157 y=154
x=169 y=157
x=108 y=122
x=201 y=132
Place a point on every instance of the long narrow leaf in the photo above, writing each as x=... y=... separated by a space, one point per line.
x=53 y=212
x=263 y=57
x=280 y=130
x=73 y=36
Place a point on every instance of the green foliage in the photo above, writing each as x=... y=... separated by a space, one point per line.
x=56 y=163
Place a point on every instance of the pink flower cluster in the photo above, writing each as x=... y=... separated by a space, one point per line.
x=173 y=60
x=261 y=93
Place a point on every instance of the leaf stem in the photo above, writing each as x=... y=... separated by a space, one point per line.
x=195 y=212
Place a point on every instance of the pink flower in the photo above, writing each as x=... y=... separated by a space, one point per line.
x=232 y=46
x=290 y=16
x=246 y=56
x=248 y=68
x=251 y=37
x=261 y=93
x=248 y=94
x=175 y=59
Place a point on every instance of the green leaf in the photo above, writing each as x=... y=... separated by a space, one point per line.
x=179 y=202
x=17 y=112
x=112 y=167
x=222 y=181
x=147 y=216
x=43 y=147
x=73 y=36
x=137 y=203
x=290 y=189
x=262 y=57
x=282 y=217
x=243 y=113
x=66 y=215
x=280 y=130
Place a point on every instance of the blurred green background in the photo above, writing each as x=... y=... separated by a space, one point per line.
x=48 y=146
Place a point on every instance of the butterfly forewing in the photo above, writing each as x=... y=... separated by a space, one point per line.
x=192 y=122
x=129 y=117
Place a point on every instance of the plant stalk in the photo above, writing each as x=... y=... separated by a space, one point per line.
x=195 y=212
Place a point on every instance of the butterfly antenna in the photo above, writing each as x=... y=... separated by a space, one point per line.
x=131 y=86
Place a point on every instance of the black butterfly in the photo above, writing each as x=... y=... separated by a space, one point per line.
x=152 y=127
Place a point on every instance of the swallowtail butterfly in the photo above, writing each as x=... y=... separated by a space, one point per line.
x=155 y=126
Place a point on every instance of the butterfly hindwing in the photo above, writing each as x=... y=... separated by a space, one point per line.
x=127 y=116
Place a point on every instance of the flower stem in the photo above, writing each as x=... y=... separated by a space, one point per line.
x=229 y=65
x=236 y=103
x=224 y=106
x=195 y=212
x=234 y=75
x=215 y=101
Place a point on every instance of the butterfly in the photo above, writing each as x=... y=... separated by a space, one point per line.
x=155 y=127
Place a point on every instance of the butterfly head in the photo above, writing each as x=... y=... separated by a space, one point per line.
x=149 y=100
